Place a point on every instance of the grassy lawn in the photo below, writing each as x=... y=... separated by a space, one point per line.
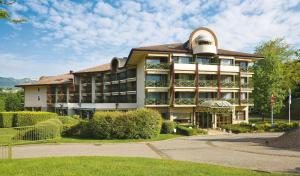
x=6 y=132
x=98 y=166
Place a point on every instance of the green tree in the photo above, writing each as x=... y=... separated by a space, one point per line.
x=2 y=105
x=4 y=14
x=13 y=102
x=269 y=75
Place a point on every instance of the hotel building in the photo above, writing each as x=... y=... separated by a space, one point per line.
x=193 y=82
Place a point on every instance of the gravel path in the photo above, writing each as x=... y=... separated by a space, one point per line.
x=243 y=151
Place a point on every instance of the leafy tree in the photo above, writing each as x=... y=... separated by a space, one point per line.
x=4 y=14
x=292 y=74
x=2 y=105
x=13 y=102
x=269 y=75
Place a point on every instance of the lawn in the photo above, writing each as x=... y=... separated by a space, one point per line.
x=6 y=132
x=98 y=166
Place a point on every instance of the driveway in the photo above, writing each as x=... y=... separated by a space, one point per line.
x=243 y=151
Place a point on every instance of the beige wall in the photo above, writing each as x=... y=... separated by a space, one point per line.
x=140 y=78
x=31 y=96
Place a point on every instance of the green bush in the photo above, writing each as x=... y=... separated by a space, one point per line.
x=49 y=129
x=70 y=125
x=185 y=130
x=167 y=127
x=6 y=119
x=27 y=118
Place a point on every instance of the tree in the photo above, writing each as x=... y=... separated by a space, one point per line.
x=2 y=105
x=13 y=102
x=269 y=75
x=4 y=14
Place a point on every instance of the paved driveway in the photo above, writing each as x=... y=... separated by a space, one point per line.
x=244 y=151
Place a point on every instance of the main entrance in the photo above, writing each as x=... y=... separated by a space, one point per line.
x=224 y=119
x=204 y=120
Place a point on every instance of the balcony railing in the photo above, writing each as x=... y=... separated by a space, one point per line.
x=208 y=83
x=231 y=100
x=246 y=69
x=154 y=101
x=185 y=101
x=247 y=101
x=184 y=83
x=157 y=66
x=152 y=83
x=201 y=100
x=229 y=84
x=247 y=85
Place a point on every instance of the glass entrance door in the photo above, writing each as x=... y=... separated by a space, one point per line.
x=224 y=119
x=203 y=120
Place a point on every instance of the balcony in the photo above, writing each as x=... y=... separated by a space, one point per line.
x=184 y=83
x=152 y=83
x=247 y=101
x=231 y=84
x=154 y=101
x=231 y=100
x=201 y=100
x=185 y=101
x=161 y=66
x=247 y=69
x=248 y=85
x=208 y=83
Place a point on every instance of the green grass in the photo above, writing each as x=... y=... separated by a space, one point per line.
x=257 y=120
x=112 y=166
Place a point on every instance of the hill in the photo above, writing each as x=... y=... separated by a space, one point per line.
x=11 y=82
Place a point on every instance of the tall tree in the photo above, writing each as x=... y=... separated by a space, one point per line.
x=269 y=75
x=4 y=14
x=2 y=105
x=13 y=102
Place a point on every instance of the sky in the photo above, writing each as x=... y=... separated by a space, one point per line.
x=61 y=35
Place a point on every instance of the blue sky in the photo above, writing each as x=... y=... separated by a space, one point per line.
x=71 y=35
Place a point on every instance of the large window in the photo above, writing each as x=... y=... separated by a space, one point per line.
x=183 y=59
x=240 y=115
x=184 y=95
x=202 y=60
x=182 y=117
x=227 y=95
x=226 y=62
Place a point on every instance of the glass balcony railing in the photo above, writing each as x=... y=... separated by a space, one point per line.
x=184 y=83
x=246 y=69
x=154 y=101
x=157 y=65
x=152 y=83
x=208 y=83
x=229 y=84
x=185 y=101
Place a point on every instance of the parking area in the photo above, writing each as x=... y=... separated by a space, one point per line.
x=242 y=150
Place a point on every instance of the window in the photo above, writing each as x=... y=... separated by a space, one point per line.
x=227 y=79
x=243 y=96
x=227 y=95
x=152 y=61
x=240 y=115
x=39 y=98
x=184 y=76
x=184 y=95
x=244 y=64
x=226 y=62
x=207 y=95
x=182 y=117
x=153 y=77
x=183 y=59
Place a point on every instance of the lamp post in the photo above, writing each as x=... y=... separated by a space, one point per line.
x=290 y=102
x=272 y=103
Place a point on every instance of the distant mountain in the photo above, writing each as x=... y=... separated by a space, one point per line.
x=11 y=82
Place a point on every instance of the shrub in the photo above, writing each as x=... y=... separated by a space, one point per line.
x=70 y=125
x=27 y=118
x=142 y=123
x=167 y=127
x=102 y=124
x=199 y=131
x=185 y=130
x=6 y=119
x=49 y=129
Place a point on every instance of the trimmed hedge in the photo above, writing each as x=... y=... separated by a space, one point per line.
x=27 y=118
x=6 y=119
x=167 y=127
x=70 y=125
x=185 y=130
x=49 y=129
x=141 y=123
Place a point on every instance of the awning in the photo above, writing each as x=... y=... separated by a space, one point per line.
x=215 y=106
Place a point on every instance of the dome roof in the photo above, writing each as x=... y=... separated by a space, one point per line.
x=205 y=37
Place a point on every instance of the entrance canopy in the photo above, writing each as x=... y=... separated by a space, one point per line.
x=215 y=106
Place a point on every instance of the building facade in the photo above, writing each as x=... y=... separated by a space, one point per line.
x=194 y=82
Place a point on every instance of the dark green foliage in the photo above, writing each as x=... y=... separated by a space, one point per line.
x=167 y=127
x=141 y=123
x=6 y=119
x=28 y=118
x=2 y=105
x=185 y=130
x=49 y=129
x=13 y=102
x=70 y=125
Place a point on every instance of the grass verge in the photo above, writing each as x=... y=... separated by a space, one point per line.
x=112 y=166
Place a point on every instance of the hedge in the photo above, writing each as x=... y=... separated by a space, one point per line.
x=167 y=127
x=6 y=119
x=49 y=129
x=141 y=123
x=70 y=125
x=27 y=118
x=185 y=130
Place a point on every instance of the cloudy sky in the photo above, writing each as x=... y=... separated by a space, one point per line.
x=70 y=35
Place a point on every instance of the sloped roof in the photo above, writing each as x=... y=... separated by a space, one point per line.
x=48 y=80
x=216 y=104
x=181 y=48
x=99 y=68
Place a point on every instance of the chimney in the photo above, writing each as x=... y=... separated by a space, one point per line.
x=71 y=71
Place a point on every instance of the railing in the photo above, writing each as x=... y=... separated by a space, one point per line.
x=246 y=69
x=157 y=66
x=184 y=83
x=5 y=147
x=201 y=100
x=185 y=101
x=131 y=88
x=231 y=100
x=247 y=101
x=208 y=83
x=154 y=101
x=229 y=84
x=152 y=83
x=247 y=85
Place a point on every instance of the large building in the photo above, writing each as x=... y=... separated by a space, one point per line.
x=193 y=82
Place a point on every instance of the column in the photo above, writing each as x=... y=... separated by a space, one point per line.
x=93 y=89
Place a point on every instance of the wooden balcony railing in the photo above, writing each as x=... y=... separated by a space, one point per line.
x=208 y=83
x=152 y=83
